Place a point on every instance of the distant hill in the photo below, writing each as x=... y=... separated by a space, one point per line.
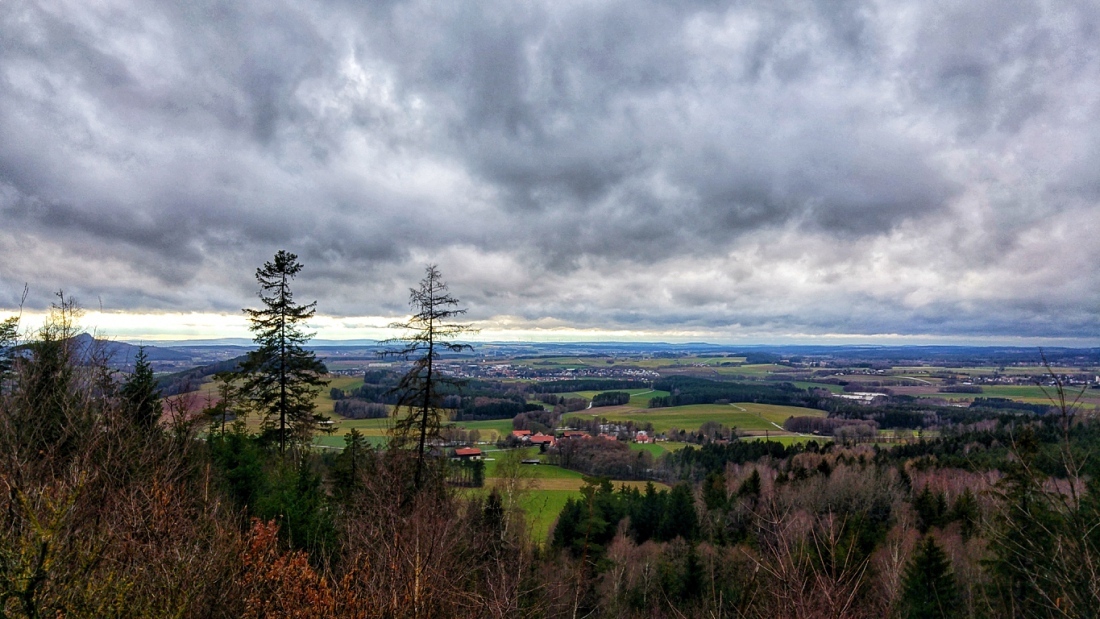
x=120 y=355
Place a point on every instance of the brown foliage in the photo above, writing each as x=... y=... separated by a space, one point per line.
x=278 y=584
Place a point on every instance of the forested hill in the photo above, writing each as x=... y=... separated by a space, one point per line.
x=119 y=355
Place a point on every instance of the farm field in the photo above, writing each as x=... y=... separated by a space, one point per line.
x=802 y=384
x=491 y=430
x=756 y=371
x=784 y=439
x=549 y=487
x=645 y=394
x=1032 y=394
x=542 y=508
x=744 y=416
x=654 y=449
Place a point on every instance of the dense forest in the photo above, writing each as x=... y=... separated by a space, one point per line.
x=118 y=502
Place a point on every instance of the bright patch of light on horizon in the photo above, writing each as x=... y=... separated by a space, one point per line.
x=182 y=326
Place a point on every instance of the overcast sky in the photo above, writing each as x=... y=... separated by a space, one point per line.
x=757 y=171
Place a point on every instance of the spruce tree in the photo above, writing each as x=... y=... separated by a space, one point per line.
x=282 y=377
x=714 y=491
x=140 y=396
x=929 y=589
x=9 y=334
x=751 y=487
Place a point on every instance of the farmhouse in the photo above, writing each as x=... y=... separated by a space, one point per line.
x=542 y=439
x=467 y=453
x=523 y=435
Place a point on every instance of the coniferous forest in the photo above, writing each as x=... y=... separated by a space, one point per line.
x=119 y=501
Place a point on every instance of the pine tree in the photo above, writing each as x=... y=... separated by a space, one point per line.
x=9 y=333
x=929 y=589
x=140 y=396
x=350 y=465
x=714 y=491
x=751 y=487
x=679 y=518
x=281 y=377
x=428 y=333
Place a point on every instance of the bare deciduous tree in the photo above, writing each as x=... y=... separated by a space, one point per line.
x=429 y=332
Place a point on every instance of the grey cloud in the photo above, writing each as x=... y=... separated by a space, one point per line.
x=603 y=149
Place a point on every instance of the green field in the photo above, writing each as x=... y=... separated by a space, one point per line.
x=787 y=439
x=744 y=416
x=325 y=403
x=491 y=430
x=655 y=449
x=542 y=508
x=801 y=384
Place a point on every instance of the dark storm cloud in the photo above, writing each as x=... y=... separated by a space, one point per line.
x=771 y=167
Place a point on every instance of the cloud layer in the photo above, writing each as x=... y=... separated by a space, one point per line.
x=758 y=167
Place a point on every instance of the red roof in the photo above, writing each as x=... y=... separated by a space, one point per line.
x=542 y=438
x=467 y=451
x=521 y=433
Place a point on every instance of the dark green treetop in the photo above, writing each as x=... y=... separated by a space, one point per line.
x=929 y=589
x=140 y=396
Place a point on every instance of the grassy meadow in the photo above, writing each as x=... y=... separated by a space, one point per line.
x=743 y=416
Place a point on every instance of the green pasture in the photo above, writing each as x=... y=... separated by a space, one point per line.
x=491 y=429
x=655 y=449
x=588 y=395
x=639 y=398
x=1032 y=394
x=643 y=396
x=802 y=384
x=527 y=471
x=542 y=508
x=1024 y=393
x=785 y=439
x=744 y=416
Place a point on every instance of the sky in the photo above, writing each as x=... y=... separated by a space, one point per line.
x=754 y=171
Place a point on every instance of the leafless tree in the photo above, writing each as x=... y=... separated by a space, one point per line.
x=428 y=333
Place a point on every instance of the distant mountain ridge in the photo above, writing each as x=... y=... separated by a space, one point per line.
x=121 y=354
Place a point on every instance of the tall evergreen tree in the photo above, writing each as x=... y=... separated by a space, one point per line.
x=9 y=334
x=714 y=491
x=140 y=396
x=281 y=377
x=679 y=518
x=929 y=589
x=428 y=334
x=349 y=466
x=9 y=337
